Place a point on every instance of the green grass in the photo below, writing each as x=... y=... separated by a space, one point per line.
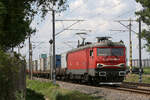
x=146 y=70
x=37 y=90
x=135 y=78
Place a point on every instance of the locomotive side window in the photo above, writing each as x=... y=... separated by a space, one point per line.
x=117 y=52
x=103 y=51
x=91 y=52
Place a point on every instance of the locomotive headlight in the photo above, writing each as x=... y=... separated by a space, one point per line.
x=122 y=65
x=99 y=65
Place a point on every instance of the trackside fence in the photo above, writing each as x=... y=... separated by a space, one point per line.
x=145 y=62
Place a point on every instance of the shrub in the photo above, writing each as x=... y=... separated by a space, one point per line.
x=9 y=68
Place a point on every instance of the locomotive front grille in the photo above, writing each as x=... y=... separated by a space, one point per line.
x=102 y=73
x=122 y=73
x=111 y=73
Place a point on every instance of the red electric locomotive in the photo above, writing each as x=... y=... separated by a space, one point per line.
x=101 y=62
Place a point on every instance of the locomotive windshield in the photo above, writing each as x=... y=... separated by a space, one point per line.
x=110 y=51
x=103 y=51
x=117 y=51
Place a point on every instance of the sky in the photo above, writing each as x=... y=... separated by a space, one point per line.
x=100 y=17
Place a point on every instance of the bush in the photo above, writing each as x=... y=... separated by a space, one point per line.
x=9 y=68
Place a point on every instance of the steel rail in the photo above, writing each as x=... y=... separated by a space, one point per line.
x=133 y=90
x=137 y=84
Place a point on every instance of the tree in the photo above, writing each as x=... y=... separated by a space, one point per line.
x=144 y=14
x=17 y=15
x=2 y=13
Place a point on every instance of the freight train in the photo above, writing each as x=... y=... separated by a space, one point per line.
x=100 y=62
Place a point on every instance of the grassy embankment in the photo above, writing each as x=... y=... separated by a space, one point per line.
x=37 y=90
x=135 y=77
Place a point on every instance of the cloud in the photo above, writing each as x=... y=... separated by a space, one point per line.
x=76 y=4
x=99 y=16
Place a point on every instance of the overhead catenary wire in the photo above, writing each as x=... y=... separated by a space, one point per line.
x=105 y=23
x=123 y=14
x=111 y=20
x=111 y=8
x=119 y=15
x=67 y=27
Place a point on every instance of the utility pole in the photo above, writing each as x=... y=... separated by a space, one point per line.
x=130 y=40
x=54 y=64
x=50 y=60
x=140 y=62
x=53 y=41
x=30 y=59
x=130 y=46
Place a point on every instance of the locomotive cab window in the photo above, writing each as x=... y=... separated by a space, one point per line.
x=117 y=51
x=91 y=52
x=103 y=51
x=110 y=51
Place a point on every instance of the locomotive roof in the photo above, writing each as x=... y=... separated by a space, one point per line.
x=99 y=44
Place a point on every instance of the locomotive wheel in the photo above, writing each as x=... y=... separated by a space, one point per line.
x=86 y=77
x=94 y=81
x=71 y=76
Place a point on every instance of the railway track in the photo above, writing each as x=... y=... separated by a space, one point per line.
x=125 y=86
x=132 y=89
x=141 y=88
x=137 y=84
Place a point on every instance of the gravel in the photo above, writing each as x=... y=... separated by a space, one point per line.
x=106 y=94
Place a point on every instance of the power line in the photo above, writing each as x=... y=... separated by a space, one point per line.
x=77 y=21
x=66 y=43
x=69 y=20
x=119 y=30
x=130 y=40
x=80 y=30
x=119 y=21
x=103 y=11
x=116 y=17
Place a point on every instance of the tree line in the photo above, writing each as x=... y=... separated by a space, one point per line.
x=16 y=17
